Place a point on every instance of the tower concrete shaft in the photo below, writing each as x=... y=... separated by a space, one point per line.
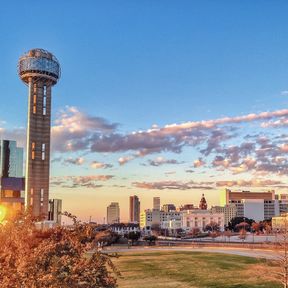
x=40 y=70
x=38 y=146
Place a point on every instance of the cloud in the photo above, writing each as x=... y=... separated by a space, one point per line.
x=123 y=160
x=220 y=161
x=284 y=92
x=161 y=161
x=198 y=163
x=251 y=183
x=75 y=130
x=174 y=185
x=247 y=165
x=18 y=134
x=282 y=122
x=74 y=161
x=72 y=129
x=98 y=165
x=170 y=172
x=56 y=159
x=80 y=181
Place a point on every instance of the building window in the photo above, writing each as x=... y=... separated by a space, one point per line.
x=34 y=103
x=41 y=196
x=44 y=99
x=31 y=196
x=43 y=151
x=33 y=148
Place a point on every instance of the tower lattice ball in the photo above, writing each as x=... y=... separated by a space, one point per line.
x=40 y=70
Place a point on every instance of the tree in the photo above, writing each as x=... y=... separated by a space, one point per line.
x=150 y=239
x=194 y=232
x=243 y=234
x=133 y=236
x=214 y=235
x=212 y=227
x=243 y=226
x=237 y=220
x=280 y=261
x=256 y=227
x=156 y=229
x=228 y=234
x=53 y=258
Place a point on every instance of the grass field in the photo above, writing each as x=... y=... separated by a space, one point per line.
x=190 y=269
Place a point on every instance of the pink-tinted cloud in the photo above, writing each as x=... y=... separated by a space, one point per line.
x=198 y=163
x=174 y=185
x=125 y=159
x=251 y=183
x=99 y=165
x=91 y=181
x=174 y=137
x=72 y=128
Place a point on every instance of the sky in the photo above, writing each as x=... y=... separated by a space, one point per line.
x=156 y=98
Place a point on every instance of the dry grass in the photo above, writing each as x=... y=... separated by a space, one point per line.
x=191 y=269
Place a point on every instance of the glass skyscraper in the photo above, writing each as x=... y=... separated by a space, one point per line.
x=12 y=182
x=11 y=159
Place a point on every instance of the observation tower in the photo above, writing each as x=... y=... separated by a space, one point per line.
x=40 y=70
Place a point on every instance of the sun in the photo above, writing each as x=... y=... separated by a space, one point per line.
x=3 y=212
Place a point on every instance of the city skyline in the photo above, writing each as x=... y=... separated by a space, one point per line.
x=156 y=117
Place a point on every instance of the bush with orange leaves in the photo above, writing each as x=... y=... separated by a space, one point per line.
x=56 y=258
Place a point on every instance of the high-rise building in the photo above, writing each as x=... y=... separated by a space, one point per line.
x=134 y=205
x=229 y=211
x=168 y=207
x=255 y=205
x=55 y=210
x=228 y=196
x=11 y=159
x=40 y=70
x=156 y=203
x=113 y=213
x=12 y=183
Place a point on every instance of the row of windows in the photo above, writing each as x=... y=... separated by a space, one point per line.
x=41 y=196
x=33 y=149
x=44 y=110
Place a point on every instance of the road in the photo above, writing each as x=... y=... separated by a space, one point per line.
x=257 y=253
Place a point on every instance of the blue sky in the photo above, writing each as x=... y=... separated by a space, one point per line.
x=144 y=63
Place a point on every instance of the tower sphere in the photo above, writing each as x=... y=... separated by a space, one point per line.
x=39 y=64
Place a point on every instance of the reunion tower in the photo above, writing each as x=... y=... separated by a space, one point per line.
x=40 y=70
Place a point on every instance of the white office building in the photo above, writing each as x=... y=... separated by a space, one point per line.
x=229 y=211
x=199 y=219
x=166 y=220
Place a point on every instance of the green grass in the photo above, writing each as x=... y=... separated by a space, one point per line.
x=190 y=269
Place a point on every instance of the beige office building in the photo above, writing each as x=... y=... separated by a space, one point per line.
x=113 y=213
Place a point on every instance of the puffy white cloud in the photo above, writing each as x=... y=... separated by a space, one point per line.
x=99 y=165
x=198 y=163
x=123 y=160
